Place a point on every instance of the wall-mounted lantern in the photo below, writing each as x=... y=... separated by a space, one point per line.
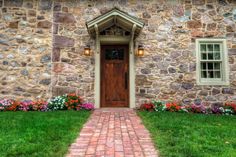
x=87 y=50
x=140 y=51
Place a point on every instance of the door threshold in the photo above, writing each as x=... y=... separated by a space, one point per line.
x=114 y=108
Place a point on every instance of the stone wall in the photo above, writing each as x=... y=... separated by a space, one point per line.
x=72 y=71
x=168 y=70
x=32 y=53
x=25 y=49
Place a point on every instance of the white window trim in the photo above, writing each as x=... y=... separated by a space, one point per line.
x=225 y=63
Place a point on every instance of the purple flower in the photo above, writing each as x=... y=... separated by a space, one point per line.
x=25 y=105
x=195 y=108
x=44 y=108
x=217 y=110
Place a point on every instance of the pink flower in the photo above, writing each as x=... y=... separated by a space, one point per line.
x=87 y=106
x=5 y=103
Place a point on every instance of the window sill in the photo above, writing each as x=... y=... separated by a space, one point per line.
x=213 y=83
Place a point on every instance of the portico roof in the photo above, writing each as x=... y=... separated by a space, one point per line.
x=114 y=17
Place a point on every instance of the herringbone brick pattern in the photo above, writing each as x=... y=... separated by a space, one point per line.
x=113 y=133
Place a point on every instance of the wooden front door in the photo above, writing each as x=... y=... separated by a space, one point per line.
x=114 y=76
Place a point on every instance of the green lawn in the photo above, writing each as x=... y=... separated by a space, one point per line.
x=41 y=134
x=192 y=135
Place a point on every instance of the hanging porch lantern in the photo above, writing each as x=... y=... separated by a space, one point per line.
x=140 y=51
x=87 y=50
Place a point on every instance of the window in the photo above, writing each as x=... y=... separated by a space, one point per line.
x=114 y=54
x=212 y=62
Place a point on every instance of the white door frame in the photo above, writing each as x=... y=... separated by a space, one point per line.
x=97 y=83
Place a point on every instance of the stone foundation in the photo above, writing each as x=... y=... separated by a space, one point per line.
x=42 y=42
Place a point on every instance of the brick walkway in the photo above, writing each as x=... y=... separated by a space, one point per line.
x=113 y=133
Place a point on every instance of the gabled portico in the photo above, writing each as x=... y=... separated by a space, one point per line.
x=115 y=28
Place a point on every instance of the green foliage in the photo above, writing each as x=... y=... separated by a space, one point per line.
x=191 y=135
x=159 y=105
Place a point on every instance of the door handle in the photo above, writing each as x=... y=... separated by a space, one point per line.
x=126 y=80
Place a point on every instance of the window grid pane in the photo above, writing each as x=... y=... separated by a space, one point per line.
x=211 y=69
x=210 y=51
x=211 y=66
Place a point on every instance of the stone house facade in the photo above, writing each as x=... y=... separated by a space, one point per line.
x=189 y=45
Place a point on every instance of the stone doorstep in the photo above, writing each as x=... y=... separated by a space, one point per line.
x=101 y=133
x=110 y=109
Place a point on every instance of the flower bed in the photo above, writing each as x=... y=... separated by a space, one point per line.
x=229 y=108
x=64 y=102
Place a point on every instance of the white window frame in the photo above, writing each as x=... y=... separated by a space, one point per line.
x=225 y=63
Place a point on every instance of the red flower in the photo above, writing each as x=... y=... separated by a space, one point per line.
x=73 y=101
x=231 y=105
x=14 y=106
x=147 y=107
x=173 y=107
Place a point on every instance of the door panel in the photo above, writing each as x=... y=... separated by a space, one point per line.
x=114 y=76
